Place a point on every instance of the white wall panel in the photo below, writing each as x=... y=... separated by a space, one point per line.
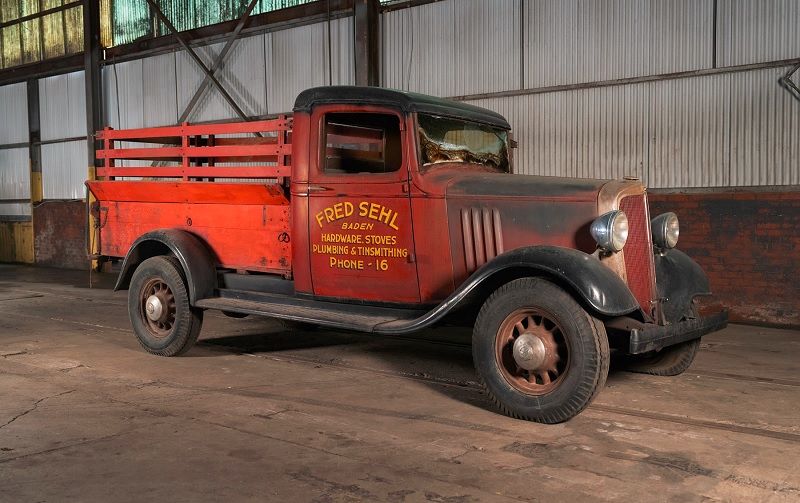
x=297 y=59
x=453 y=48
x=418 y=48
x=15 y=182
x=62 y=106
x=242 y=75
x=142 y=92
x=765 y=127
x=15 y=209
x=572 y=41
x=754 y=31
x=123 y=95
x=160 y=100
x=612 y=131
x=689 y=131
x=64 y=169
x=14 y=113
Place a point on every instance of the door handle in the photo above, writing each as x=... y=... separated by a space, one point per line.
x=317 y=188
x=313 y=188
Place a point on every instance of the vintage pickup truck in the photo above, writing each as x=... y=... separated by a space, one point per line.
x=390 y=212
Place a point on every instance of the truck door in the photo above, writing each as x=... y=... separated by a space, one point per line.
x=359 y=213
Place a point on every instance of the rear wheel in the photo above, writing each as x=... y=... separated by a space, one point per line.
x=158 y=305
x=669 y=361
x=538 y=353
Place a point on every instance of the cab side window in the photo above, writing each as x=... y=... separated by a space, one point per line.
x=362 y=143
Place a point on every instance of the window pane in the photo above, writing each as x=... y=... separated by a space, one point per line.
x=74 y=20
x=362 y=143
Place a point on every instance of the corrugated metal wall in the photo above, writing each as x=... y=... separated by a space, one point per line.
x=14 y=164
x=62 y=115
x=263 y=73
x=452 y=47
x=754 y=31
x=732 y=129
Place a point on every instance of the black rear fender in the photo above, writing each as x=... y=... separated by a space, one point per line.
x=196 y=260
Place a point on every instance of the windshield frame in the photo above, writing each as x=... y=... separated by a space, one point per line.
x=426 y=167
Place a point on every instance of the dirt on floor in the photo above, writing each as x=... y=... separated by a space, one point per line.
x=260 y=412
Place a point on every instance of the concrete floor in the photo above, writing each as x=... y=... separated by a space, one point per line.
x=260 y=413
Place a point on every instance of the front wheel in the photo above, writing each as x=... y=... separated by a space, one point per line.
x=669 y=361
x=158 y=306
x=539 y=354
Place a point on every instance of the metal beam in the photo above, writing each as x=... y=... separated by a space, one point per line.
x=788 y=84
x=39 y=69
x=198 y=61
x=34 y=144
x=366 y=15
x=630 y=80
x=93 y=82
x=218 y=62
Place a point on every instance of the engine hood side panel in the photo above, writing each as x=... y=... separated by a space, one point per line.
x=482 y=228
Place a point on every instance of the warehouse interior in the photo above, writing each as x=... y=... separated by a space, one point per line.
x=700 y=99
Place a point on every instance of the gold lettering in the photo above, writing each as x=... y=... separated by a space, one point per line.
x=373 y=211
x=392 y=223
x=345 y=263
x=385 y=214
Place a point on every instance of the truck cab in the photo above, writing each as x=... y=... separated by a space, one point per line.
x=389 y=212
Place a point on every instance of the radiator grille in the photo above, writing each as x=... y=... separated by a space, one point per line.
x=483 y=236
x=638 y=251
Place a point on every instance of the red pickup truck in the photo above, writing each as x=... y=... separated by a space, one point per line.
x=389 y=212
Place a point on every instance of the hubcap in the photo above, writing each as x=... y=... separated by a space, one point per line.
x=154 y=308
x=157 y=307
x=531 y=351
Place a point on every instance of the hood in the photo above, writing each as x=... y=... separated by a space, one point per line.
x=500 y=185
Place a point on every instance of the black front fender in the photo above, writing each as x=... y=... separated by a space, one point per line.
x=582 y=274
x=679 y=279
x=595 y=285
x=196 y=260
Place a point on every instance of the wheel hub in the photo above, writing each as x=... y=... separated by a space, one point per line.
x=154 y=307
x=529 y=351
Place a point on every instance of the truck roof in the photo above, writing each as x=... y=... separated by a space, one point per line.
x=403 y=100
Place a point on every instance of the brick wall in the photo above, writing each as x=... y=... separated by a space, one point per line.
x=749 y=245
x=59 y=234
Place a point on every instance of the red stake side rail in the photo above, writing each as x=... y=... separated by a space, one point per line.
x=244 y=223
x=199 y=148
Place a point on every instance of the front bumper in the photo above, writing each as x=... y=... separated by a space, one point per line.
x=654 y=337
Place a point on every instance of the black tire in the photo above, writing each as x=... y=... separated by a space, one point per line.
x=177 y=330
x=670 y=361
x=573 y=379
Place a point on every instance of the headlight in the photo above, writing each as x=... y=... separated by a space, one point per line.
x=665 y=230
x=610 y=230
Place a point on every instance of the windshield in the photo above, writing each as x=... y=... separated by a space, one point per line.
x=444 y=140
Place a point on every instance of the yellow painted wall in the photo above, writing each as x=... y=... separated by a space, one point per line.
x=16 y=242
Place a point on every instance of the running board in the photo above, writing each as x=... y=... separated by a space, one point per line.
x=329 y=314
